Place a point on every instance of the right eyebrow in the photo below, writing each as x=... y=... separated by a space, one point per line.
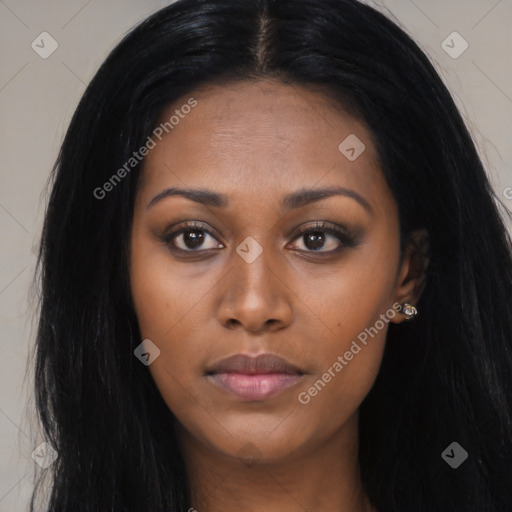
x=199 y=195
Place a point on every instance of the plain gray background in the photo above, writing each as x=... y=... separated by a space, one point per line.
x=38 y=97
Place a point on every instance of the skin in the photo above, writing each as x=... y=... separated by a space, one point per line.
x=255 y=142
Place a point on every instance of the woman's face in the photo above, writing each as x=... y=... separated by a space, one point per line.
x=244 y=280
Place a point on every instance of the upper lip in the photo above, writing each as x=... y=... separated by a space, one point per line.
x=252 y=365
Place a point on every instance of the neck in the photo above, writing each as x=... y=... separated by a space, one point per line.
x=324 y=477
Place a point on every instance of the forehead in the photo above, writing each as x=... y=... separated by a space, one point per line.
x=252 y=139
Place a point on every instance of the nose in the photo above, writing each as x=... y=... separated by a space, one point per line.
x=255 y=296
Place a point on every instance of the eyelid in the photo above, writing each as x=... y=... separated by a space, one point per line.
x=325 y=225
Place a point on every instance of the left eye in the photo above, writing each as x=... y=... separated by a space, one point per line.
x=314 y=239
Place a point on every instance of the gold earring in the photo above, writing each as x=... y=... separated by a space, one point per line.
x=408 y=310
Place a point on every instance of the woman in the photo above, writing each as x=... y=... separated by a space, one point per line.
x=250 y=202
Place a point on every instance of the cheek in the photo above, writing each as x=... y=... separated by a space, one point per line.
x=166 y=298
x=165 y=311
x=347 y=375
x=160 y=301
x=355 y=309
x=347 y=359
x=351 y=296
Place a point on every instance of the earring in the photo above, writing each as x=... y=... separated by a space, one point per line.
x=409 y=310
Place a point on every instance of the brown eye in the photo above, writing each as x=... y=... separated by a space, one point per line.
x=323 y=238
x=192 y=238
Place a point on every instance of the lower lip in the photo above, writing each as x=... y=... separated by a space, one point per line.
x=255 y=387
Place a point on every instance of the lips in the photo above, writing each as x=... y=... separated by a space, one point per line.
x=253 y=378
x=264 y=363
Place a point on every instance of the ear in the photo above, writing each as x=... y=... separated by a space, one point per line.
x=412 y=272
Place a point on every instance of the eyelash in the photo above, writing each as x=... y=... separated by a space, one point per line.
x=344 y=237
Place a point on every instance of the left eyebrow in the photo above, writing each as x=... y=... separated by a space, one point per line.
x=307 y=196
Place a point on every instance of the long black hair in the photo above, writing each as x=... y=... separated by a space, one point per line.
x=446 y=377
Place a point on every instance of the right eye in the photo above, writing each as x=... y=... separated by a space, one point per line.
x=191 y=238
